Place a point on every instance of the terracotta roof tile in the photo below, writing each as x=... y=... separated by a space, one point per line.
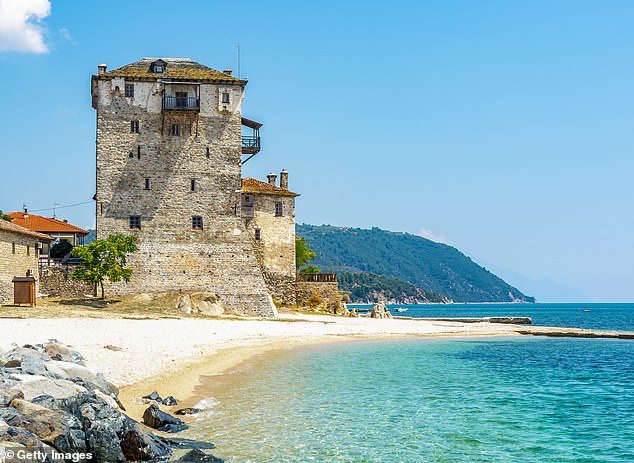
x=177 y=68
x=13 y=228
x=251 y=185
x=41 y=224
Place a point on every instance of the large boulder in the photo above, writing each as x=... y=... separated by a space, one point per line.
x=71 y=371
x=155 y=418
x=380 y=310
x=64 y=353
x=197 y=455
x=33 y=386
x=138 y=444
x=200 y=303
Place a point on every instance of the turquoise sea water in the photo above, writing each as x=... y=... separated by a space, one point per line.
x=600 y=316
x=520 y=399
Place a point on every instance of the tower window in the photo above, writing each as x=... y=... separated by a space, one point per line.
x=176 y=130
x=138 y=151
x=192 y=186
x=13 y=248
x=135 y=222
x=225 y=98
x=207 y=153
x=134 y=126
x=258 y=234
x=279 y=209
x=197 y=222
x=129 y=90
x=147 y=183
x=28 y=250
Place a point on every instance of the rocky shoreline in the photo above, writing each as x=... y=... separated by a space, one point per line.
x=54 y=409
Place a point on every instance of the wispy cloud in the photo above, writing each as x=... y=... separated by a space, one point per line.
x=66 y=36
x=21 y=26
x=430 y=235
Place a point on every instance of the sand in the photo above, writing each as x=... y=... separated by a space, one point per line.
x=171 y=354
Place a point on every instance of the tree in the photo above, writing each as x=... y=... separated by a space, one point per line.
x=303 y=253
x=105 y=259
x=4 y=216
x=60 y=249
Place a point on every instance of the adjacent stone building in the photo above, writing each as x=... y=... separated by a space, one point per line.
x=169 y=161
x=269 y=214
x=19 y=255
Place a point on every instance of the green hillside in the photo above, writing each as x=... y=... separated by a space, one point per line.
x=423 y=263
x=369 y=288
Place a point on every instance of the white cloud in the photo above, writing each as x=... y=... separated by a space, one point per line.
x=430 y=235
x=20 y=25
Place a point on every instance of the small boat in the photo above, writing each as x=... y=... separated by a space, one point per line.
x=586 y=310
x=400 y=309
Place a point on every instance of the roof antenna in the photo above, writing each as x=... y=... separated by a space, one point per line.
x=24 y=207
x=55 y=206
x=239 y=73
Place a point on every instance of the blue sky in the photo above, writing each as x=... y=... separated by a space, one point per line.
x=502 y=128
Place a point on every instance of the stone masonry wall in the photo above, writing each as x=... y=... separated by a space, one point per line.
x=275 y=249
x=15 y=265
x=329 y=293
x=172 y=256
x=56 y=281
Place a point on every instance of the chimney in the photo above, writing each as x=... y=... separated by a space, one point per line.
x=284 y=179
x=272 y=178
x=228 y=71
x=102 y=69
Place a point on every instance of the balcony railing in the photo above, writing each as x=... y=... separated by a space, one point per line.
x=180 y=103
x=250 y=145
x=317 y=277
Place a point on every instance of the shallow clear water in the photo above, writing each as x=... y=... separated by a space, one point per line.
x=468 y=400
x=599 y=316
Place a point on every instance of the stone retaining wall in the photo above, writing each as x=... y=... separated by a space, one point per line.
x=56 y=281
x=328 y=292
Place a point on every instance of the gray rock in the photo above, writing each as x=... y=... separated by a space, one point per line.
x=33 y=386
x=71 y=371
x=188 y=411
x=157 y=419
x=8 y=415
x=138 y=444
x=33 y=366
x=61 y=352
x=169 y=400
x=7 y=395
x=154 y=395
x=197 y=455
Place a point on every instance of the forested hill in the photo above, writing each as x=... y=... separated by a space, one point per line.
x=424 y=263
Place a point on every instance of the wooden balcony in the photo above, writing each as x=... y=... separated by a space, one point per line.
x=178 y=103
x=250 y=145
x=317 y=277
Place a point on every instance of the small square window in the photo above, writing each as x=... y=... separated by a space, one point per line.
x=147 y=183
x=176 y=130
x=258 y=235
x=279 y=210
x=158 y=69
x=134 y=126
x=192 y=186
x=135 y=222
x=225 y=98
x=129 y=90
x=197 y=222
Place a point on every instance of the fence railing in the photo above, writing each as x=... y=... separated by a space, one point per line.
x=181 y=103
x=317 y=277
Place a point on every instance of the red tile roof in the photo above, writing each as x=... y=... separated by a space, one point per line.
x=13 y=228
x=251 y=185
x=41 y=224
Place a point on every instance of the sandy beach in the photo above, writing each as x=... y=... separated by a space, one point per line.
x=172 y=354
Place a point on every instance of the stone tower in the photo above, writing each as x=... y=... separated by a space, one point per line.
x=169 y=150
x=269 y=214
